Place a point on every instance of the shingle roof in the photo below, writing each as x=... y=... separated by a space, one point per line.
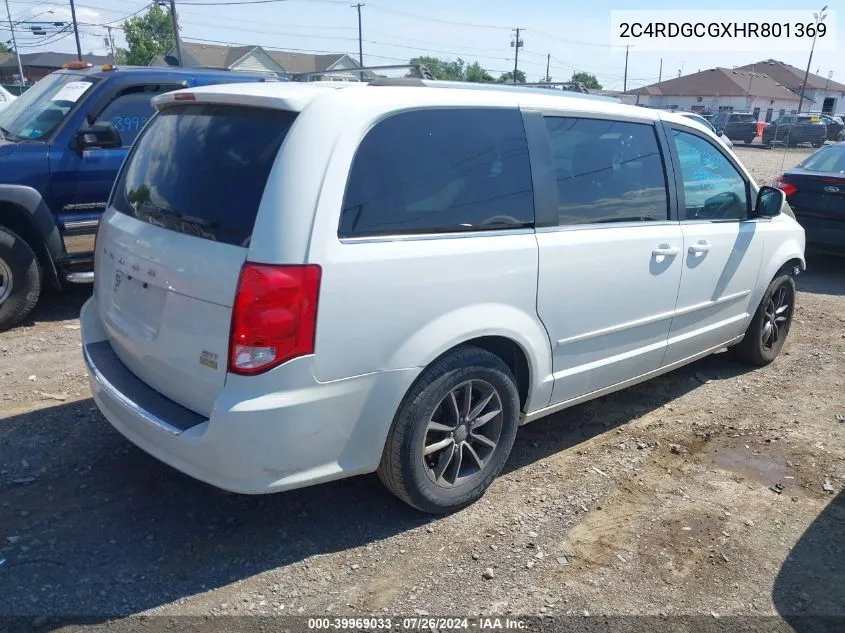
x=52 y=60
x=793 y=77
x=304 y=62
x=721 y=82
x=212 y=55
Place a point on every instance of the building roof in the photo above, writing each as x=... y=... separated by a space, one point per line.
x=793 y=77
x=213 y=55
x=51 y=60
x=304 y=62
x=720 y=82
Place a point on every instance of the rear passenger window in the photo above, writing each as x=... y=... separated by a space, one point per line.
x=440 y=170
x=607 y=171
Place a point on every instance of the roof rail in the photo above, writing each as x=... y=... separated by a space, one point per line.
x=366 y=73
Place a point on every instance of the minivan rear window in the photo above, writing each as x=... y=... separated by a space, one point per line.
x=201 y=169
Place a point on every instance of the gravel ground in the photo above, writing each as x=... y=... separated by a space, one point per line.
x=660 y=499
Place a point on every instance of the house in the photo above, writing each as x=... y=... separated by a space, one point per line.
x=38 y=65
x=826 y=95
x=721 y=89
x=258 y=59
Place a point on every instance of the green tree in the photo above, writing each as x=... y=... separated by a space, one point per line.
x=507 y=78
x=147 y=35
x=590 y=81
x=477 y=74
x=4 y=48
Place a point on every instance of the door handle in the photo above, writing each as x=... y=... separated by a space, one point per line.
x=664 y=251
x=700 y=248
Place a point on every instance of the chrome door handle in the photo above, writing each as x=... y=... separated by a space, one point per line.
x=663 y=251
x=699 y=248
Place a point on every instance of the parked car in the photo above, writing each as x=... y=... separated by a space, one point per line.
x=835 y=126
x=815 y=189
x=61 y=145
x=6 y=97
x=393 y=277
x=737 y=126
x=793 y=129
x=700 y=119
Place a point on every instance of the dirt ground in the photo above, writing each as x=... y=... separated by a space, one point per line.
x=659 y=499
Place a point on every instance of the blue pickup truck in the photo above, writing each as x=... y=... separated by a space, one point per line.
x=61 y=145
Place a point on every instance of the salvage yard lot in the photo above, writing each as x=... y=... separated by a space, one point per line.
x=658 y=499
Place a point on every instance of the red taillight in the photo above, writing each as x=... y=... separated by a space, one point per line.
x=274 y=317
x=787 y=187
x=184 y=96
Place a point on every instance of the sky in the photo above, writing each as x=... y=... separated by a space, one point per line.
x=575 y=34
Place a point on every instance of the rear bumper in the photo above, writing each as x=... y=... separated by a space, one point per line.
x=828 y=235
x=258 y=439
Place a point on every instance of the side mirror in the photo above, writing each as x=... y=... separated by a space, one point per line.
x=769 y=202
x=100 y=135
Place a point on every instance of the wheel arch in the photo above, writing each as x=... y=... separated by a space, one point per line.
x=788 y=256
x=23 y=210
x=516 y=337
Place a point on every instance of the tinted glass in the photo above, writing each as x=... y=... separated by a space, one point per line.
x=607 y=171
x=713 y=188
x=830 y=159
x=130 y=111
x=445 y=170
x=743 y=118
x=202 y=169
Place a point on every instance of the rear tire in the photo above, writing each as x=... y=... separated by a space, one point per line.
x=769 y=327
x=433 y=458
x=20 y=279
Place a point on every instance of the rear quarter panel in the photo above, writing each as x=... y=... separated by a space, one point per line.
x=388 y=304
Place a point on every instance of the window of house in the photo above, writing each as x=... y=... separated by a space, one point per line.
x=607 y=171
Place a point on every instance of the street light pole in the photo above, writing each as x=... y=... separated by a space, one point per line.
x=15 y=44
x=820 y=16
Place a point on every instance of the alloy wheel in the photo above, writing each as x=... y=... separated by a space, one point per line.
x=5 y=281
x=463 y=432
x=776 y=317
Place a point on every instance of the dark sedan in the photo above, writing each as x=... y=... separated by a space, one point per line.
x=834 y=124
x=815 y=189
x=792 y=129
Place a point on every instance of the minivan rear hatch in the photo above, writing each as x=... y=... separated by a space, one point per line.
x=171 y=246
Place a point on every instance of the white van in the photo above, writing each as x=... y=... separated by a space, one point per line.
x=301 y=282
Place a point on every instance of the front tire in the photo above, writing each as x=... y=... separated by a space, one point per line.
x=767 y=332
x=20 y=279
x=452 y=433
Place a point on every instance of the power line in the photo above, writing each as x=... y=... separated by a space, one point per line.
x=427 y=18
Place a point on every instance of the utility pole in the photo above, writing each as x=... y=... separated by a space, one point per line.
x=625 y=81
x=15 y=44
x=826 y=86
x=516 y=43
x=549 y=56
x=75 y=31
x=111 y=44
x=660 y=74
x=176 y=32
x=820 y=16
x=360 y=40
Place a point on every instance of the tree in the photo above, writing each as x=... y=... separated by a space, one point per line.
x=442 y=69
x=590 y=82
x=477 y=74
x=4 y=48
x=507 y=78
x=147 y=35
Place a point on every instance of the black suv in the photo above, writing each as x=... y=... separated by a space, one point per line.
x=792 y=129
x=737 y=126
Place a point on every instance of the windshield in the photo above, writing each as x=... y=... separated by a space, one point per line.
x=743 y=118
x=38 y=111
x=701 y=120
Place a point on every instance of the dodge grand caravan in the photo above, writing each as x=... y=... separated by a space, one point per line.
x=296 y=283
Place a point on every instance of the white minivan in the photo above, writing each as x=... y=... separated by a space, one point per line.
x=301 y=282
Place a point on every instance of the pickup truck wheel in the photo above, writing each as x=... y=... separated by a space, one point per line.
x=20 y=279
x=452 y=433
x=769 y=327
